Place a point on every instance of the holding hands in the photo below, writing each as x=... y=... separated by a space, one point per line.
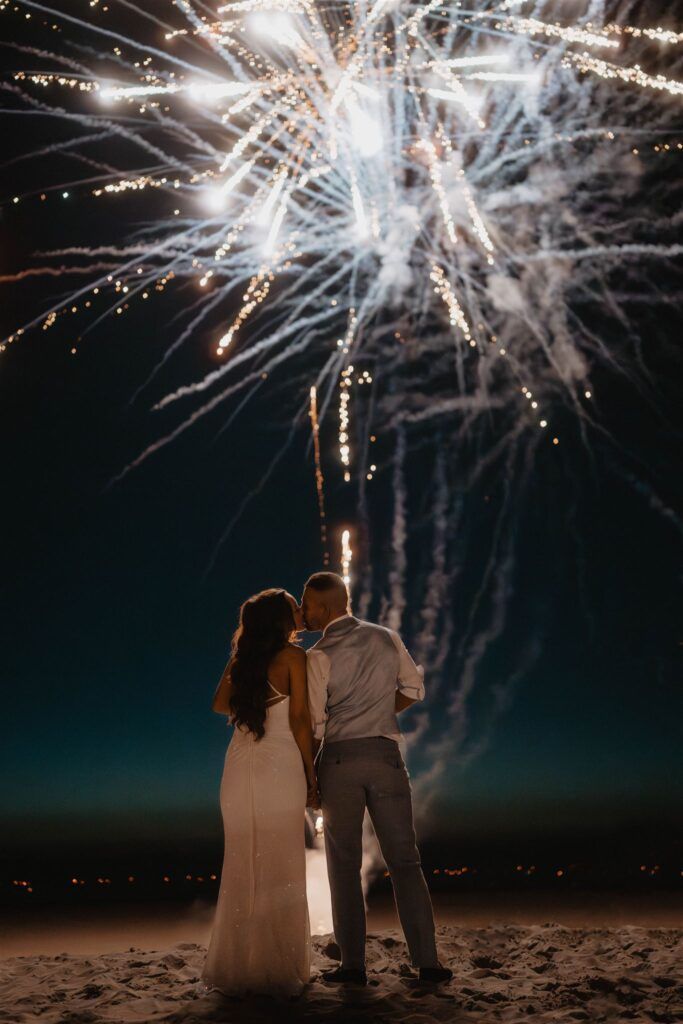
x=313 y=794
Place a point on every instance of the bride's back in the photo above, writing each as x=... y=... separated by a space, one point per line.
x=261 y=935
x=278 y=673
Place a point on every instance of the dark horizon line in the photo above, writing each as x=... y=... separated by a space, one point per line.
x=624 y=841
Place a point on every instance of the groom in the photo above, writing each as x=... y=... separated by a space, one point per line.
x=359 y=676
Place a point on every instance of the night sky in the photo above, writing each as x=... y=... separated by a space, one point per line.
x=113 y=639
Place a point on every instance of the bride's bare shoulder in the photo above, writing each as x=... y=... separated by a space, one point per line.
x=293 y=654
x=289 y=655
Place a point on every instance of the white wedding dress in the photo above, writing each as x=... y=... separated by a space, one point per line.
x=261 y=938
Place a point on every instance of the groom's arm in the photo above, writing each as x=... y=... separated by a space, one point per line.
x=410 y=677
x=318 y=673
x=401 y=701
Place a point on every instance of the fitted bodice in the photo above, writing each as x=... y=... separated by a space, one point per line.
x=273 y=699
x=277 y=716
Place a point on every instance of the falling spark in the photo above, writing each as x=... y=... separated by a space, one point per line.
x=346 y=558
x=319 y=479
x=344 y=399
x=443 y=289
x=532 y=26
x=635 y=75
x=435 y=173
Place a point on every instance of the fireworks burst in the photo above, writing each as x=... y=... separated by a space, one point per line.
x=418 y=203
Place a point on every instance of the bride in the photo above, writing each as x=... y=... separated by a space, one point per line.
x=261 y=933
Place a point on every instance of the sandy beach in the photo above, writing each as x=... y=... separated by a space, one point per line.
x=512 y=960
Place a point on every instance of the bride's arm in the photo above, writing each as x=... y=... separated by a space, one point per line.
x=299 y=714
x=221 y=697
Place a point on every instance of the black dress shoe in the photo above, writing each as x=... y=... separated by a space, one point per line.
x=435 y=973
x=354 y=975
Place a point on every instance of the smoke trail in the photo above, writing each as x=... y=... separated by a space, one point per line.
x=394 y=613
x=436 y=587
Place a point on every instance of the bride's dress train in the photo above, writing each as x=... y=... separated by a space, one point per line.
x=261 y=939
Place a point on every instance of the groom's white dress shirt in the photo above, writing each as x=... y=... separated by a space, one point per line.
x=354 y=671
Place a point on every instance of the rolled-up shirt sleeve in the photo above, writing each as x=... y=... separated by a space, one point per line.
x=410 y=676
x=318 y=673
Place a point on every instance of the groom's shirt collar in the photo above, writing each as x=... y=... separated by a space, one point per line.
x=340 y=618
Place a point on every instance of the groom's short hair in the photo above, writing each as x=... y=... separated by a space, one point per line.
x=328 y=583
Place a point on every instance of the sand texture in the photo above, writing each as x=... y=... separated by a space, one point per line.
x=507 y=973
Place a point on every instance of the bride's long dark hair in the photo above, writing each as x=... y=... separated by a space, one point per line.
x=266 y=626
